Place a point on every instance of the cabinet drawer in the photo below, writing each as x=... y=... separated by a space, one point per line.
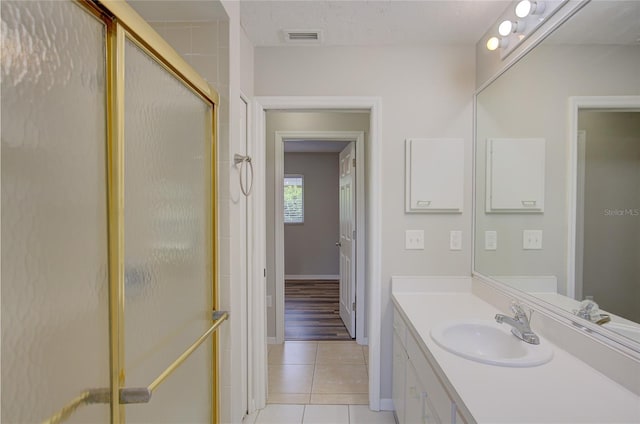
x=400 y=327
x=437 y=396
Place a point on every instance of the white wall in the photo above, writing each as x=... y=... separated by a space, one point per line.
x=611 y=272
x=309 y=248
x=296 y=121
x=531 y=100
x=246 y=64
x=426 y=92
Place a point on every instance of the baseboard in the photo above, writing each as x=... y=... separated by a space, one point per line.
x=311 y=277
x=271 y=340
x=386 y=405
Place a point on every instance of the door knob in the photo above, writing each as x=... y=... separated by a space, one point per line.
x=339 y=244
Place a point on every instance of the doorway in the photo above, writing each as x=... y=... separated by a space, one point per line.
x=350 y=271
x=371 y=261
x=313 y=207
x=601 y=196
x=608 y=195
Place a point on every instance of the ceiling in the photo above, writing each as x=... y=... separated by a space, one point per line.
x=602 y=22
x=367 y=22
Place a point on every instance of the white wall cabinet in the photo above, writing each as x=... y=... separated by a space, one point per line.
x=515 y=175
x=419 y=396
x=434 y=175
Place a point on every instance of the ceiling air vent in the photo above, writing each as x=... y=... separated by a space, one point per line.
x=302 y=36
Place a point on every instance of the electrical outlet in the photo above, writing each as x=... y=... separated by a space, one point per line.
x=269 y=302
x=414 y=239
x=532 y=239
x=455 y=240
x=490 y=240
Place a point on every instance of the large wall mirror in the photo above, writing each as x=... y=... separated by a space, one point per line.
x=557 y=171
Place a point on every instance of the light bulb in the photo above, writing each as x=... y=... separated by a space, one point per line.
x=493 y=43
x=505 y=28
x=528 y=7
x=523 y=8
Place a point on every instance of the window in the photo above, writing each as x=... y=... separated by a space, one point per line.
x=293 y=199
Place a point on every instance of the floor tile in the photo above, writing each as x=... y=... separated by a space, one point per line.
x=298 y=353
x=340 y=379
x=326 y=414
x=290 y=378
x=339 y=398
x=281 y=414
x=361 y=414
x=289 y=398
x=340 y=353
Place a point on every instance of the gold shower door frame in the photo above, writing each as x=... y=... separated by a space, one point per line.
x=124 y=23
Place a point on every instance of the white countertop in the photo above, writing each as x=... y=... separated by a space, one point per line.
x=564 y=390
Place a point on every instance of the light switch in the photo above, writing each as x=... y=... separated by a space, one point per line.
x=269 y=302
x=532 y=239
x=490 y=240
x=455 y=240
x=414 y=240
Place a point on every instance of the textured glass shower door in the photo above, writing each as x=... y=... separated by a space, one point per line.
x=108 y=259
x=55 y=286
x=168 y=239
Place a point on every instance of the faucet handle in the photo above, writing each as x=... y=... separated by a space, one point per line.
x=518 y=310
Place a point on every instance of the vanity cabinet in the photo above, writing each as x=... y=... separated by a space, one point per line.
x=419 y=396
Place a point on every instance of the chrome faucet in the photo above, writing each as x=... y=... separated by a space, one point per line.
x=520 y=324
x=590 y=311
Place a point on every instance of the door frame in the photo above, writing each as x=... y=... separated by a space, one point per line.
x=347 y=136
x=575 y=104
x=373 y=230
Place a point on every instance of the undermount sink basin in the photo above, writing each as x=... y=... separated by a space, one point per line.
x=490 y=343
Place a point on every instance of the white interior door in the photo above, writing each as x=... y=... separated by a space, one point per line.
x=347 y=241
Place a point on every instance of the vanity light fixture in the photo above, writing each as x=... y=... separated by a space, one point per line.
x=519 y=21
x=528 y=7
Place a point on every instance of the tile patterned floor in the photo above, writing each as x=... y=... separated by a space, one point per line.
x=322 y=382
x=324 y=372
x=319 y=414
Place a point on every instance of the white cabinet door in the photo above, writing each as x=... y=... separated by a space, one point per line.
x=434 y=175
x=399 y=372
x=418 y=406
x=515 y=175
x=439 y=405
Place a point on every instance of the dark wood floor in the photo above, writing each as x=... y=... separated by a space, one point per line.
x=312 y=311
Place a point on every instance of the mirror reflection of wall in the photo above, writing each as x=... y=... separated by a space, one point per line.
x=609 y=204
x=595 y=53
